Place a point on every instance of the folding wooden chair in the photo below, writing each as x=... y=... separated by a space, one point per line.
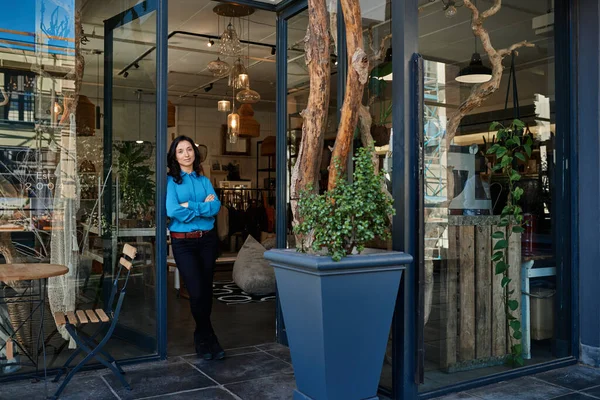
x=88 y=343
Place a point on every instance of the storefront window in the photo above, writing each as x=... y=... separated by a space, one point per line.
x=467 y=331
x=74 y=190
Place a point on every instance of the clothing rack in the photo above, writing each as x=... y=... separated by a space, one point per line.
x=242 y=198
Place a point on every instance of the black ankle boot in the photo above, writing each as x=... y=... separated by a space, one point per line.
x=216 y=350
x=204 y=349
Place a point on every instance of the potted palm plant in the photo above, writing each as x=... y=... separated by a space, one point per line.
x=336 y=296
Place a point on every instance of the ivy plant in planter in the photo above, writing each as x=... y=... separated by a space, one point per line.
x=511 y=145
x=344 y=219
x=337 y=304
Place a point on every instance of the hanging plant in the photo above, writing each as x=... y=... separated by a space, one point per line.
x=511 y=145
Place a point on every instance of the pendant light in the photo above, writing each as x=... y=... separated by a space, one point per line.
x=218 y=67
x=475 y=72
x=233 y=124
x=224 y=105
x=247 y=95
x=139 y=96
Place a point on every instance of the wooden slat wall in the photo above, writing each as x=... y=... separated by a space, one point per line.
x=472 y=299
x=466 y=292
x=449 y=309
x=483 y=291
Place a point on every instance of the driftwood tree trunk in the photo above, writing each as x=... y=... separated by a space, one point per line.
x=358 y=72
x=316 y=44
x=77 y=74
x=481 y=92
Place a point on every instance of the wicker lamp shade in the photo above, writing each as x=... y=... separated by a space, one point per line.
x=170 y=114
x=249 y=127
x=268 y=146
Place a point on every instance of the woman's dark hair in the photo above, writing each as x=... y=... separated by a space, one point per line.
x=173 y=165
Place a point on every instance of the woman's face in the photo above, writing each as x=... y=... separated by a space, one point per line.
x=185 y=154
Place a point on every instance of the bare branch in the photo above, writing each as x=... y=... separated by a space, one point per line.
x=377 y=54
x=507 y=51
x=492 y=10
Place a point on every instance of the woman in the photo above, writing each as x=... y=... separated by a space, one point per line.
x=192 y=205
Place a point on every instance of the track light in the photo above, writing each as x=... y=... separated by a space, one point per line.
x=126 y=74
x=273 y=50
x=136 y=65
x=208 y=88
x=210 y=43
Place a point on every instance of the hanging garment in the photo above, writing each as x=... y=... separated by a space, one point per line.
x=223 y=223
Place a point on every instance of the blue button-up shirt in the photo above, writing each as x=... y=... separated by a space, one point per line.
x=199 y=215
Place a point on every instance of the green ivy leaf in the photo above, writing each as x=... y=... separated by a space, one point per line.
x=503 y=222
x=501 y=244
x=518 y=123
x=527 y=148
x=515 y=325
x=497 y=256
x=518 y=229
x=517 y=334
x=517 y=140
x=513 y=305
x=517 y=348
x=501 y=151
x=494 y=125
x=515 y=176
x=498 y=235
x=492 y=149
x=500 y=267
x=520 y=156
x=505 y=281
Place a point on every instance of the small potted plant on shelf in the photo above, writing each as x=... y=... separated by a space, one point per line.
x=337 y=297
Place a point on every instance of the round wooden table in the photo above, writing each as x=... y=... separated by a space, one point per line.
x=39 y=272
x=25 y=272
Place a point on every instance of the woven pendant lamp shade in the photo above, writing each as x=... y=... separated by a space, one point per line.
x=268 y=146
x=249 y=127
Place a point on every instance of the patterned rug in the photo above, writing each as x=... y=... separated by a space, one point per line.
x=229 y=293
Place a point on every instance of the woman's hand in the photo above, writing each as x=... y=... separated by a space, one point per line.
x=184 y=205
x=210 y=197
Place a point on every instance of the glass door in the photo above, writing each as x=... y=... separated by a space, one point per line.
x=129 y=178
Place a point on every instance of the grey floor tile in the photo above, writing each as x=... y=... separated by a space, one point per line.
x=576 y=377
x=282 y=353
x=595 y=391
x=241 y=350
x=575 y=396
x=519 y=389
x=242 y=368
x=457 y=396
x=277 y=387
x=202 y=394
x=159 y=380
x=81 y=387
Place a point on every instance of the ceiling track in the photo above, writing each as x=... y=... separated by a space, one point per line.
x=200 y=35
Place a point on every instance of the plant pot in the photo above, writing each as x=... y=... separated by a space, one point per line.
x=337 y=317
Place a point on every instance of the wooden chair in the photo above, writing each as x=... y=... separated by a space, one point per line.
x=88 y=343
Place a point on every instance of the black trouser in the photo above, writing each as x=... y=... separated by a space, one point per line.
x=195 y=259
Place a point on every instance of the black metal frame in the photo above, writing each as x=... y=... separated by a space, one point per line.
x=87 y=343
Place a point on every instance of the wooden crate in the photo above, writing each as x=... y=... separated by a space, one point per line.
x=473 y=321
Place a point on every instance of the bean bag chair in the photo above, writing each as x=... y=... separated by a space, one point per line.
x=251 y=272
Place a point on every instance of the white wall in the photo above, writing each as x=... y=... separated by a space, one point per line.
x=208 y=133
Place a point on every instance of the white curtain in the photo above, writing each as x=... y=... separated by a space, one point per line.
x=62 y=290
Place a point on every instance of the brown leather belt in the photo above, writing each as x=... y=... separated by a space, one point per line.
x=189 y=235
